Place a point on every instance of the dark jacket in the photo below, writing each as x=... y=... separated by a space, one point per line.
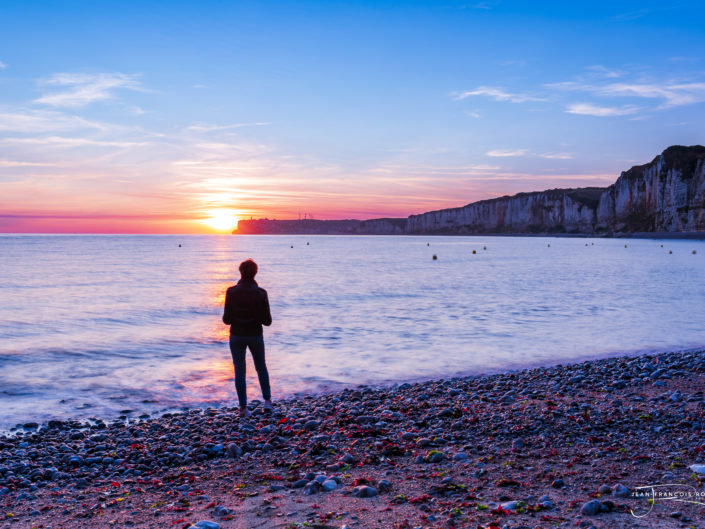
x=246 y=309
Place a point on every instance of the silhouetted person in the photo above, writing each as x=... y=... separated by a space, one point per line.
x=246 y=310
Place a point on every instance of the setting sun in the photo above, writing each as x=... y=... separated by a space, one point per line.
x=221 y=220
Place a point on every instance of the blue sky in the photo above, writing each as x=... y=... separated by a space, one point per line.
x=153 y=116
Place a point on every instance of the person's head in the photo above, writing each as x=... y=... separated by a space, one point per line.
x=248 y=269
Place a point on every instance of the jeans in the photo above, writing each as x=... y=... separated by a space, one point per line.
x=238 y=348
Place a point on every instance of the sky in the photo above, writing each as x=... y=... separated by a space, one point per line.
x=183 y=117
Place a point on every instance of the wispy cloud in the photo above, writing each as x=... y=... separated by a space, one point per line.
x=486 y=5
x=682 y=58
x=610 y=92
x=15 y=163
x=497 y=94
x=632 y=15
x=500 y=153
x=42 y=121
x=71 y=142
x=603 y=71
x=2 y=65
x=673 y=95
x=588 y=109
x=557 y=156
x=200 y=127
x=483 y=167
x=77 y=90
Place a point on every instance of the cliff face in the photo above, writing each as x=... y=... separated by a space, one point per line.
x=557 y=210
x=665 y=195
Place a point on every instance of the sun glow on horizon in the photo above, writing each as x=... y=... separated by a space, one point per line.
x=221 y=219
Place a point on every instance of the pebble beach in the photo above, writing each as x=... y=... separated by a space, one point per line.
x=574 y=445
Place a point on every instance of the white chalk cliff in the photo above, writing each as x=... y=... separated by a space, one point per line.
x=666 y=195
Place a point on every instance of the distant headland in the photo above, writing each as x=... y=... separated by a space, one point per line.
x=666 y=196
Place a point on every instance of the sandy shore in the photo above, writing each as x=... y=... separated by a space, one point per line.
x=564 y=446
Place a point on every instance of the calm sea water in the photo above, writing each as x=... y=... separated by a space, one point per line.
x=91 y=326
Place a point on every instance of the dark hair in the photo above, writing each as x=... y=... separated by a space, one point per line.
x=248 y=269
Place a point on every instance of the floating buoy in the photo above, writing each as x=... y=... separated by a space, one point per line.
x=670 y=251
x=179 y=246
x=694 y=252
x=428 y=244
x=549 y=245
x=585 y=244
x=484 y=247
x=435 y=257
x=662 y=246
x=625 y=245
x=592 y=244
x=474 y=252
x=292 y=245
x=307 y=244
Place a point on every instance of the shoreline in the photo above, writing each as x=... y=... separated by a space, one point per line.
x=135 y=416
x=537 y=447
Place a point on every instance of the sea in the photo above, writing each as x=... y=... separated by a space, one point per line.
x=104 y=326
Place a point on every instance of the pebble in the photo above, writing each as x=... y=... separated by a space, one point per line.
x=221 y=511
x=364 y=491
x=591 y=508
x=621 y=491
x=557 y=483
x=329 y=485
x=434 y=457
x=205 y=524
x=384 y=485
x=608 y=506
x=312 y=487
x=300 y=483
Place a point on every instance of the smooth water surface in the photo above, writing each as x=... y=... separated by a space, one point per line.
x=95 y=325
